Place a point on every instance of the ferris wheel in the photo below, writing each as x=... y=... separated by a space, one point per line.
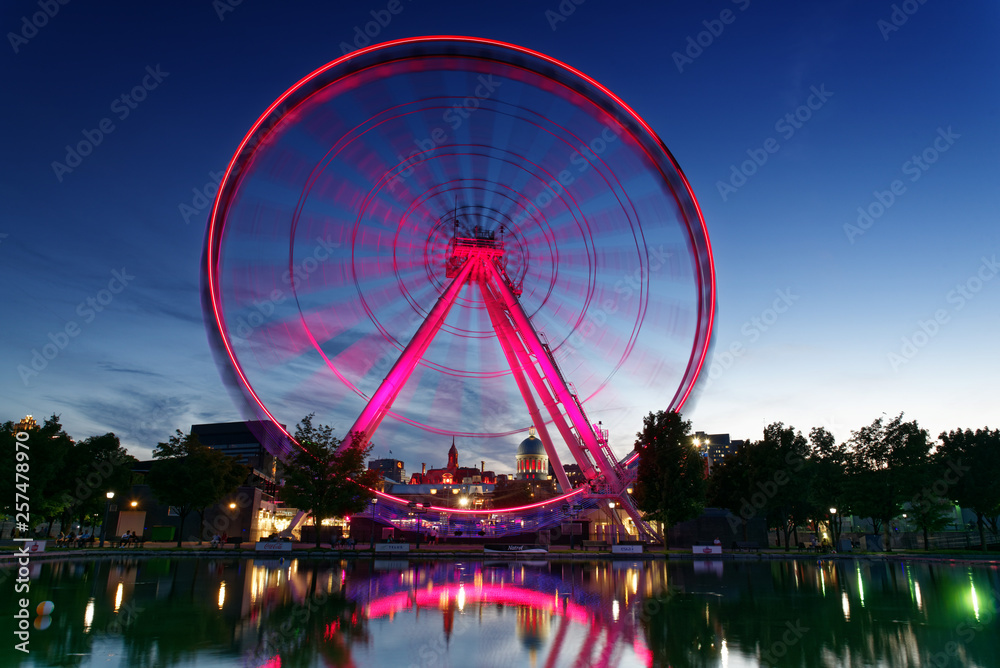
x=457 y=236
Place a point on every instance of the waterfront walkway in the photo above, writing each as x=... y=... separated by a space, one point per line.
x=10 y=551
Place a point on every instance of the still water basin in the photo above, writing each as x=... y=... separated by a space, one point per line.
x=464 y=613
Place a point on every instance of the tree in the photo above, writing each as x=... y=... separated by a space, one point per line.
x=731 y=486
x=783 y=478
x=671 y=484
x=323 y=480
x=830 y=484
x=886 y=463
x=930 y=513
x=93 y=467
x=972 y=462
x=190 y=476
x=45 y=452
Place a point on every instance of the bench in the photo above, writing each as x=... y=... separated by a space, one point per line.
x=134 y=542
x=746 y=546
x=599 y=544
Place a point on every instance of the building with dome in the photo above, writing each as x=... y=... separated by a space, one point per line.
x=532 y=461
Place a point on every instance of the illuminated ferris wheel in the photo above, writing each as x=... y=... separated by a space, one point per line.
x=463 y=237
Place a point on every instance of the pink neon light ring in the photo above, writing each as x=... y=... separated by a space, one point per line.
x=327 y=240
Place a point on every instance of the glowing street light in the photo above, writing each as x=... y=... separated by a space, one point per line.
x=104 y=524
x=464 y=501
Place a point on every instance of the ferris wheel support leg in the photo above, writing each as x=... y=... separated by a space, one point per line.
x=300 y=517
x=645 y=531
x=545 y=392
x=381 y=401
x=562 y=392
x=507 y=343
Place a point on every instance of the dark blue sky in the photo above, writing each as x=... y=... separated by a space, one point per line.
x=846 y=298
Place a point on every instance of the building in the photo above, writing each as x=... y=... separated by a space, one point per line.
x=242 y=441
x=391 y=469
x=531 y=460
x=452 y=473
x=455 y=486
x=27 y=424
x=716 y=447
x=248 y=512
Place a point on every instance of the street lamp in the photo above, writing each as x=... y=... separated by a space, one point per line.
x=612 y=527
x=134 y=504
x=104 y=524
x=835 y=527
x=373 y=502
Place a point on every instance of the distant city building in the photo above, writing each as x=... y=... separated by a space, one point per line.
x=575 y=475
x=716 y=447
x=239 y=440
x=27 y=424
x=453 y=474
x=391 y=469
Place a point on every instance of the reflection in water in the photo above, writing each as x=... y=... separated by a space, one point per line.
x=279 y=614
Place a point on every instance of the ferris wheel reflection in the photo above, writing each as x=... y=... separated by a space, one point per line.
x=557 y=620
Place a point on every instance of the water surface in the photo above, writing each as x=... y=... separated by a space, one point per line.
x=253 y=612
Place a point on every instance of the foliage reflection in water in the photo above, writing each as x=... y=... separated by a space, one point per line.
x=253 y=612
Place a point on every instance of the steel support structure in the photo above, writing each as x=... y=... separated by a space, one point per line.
x=479 y=262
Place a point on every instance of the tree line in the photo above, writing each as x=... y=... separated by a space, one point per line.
x=68 y=480
x=884 y=469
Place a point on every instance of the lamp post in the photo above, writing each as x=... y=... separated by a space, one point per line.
x=373 y=502
x=835 y=527
x=612 y=528
x=104 y=523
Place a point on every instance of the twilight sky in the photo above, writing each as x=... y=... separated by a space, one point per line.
x=845 y=156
